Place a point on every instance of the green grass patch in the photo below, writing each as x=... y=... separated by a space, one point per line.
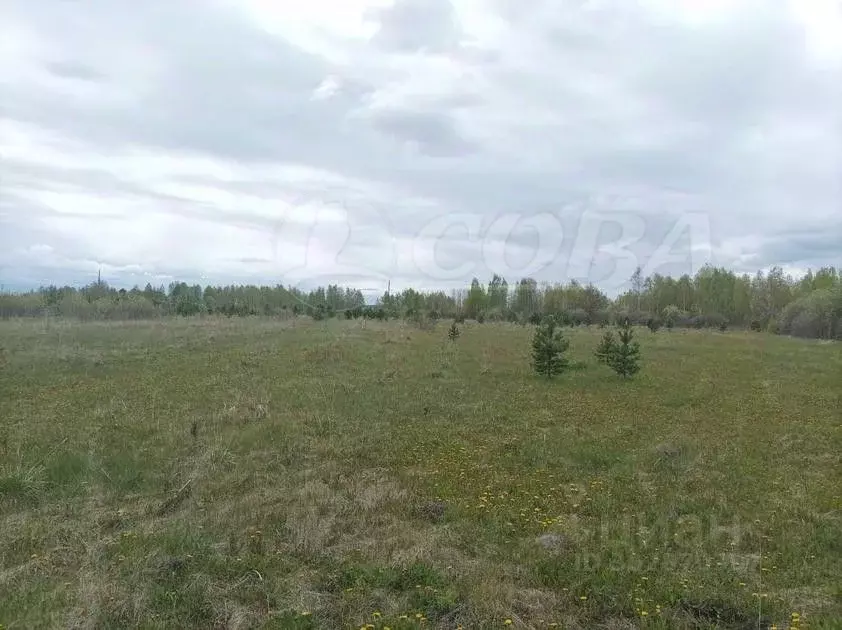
x=250 y=473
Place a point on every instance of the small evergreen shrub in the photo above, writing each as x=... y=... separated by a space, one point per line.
x=453 y=332
x=605 y=348
x=548 y=348
x=624 y=358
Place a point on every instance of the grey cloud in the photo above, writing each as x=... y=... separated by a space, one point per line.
x=70 y=70
x=594 y=111
x=434 y=133
x=803 y=247
x=253 y=259
x=224 y=87
x=737 y=77
x=26 y=231
x=464 y=100
x=24 y=210
x=415 y=25
x=693 y=92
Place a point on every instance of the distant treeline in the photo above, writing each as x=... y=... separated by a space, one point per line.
x=810 y=306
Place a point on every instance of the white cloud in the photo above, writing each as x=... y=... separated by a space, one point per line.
x=272 y=140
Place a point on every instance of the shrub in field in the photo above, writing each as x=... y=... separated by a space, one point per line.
x=548 y=348
x=562 y=318
x=635 y=318
x=495 y=315
x=578 y=317
x=535 y=319
x=605 y=348
x=805 y=324
x=602 y=318
x=624 y=357
x=480 y=318
x=715 y=320
x=699 y=321
x=817 y=315
x=26 y=305
x=723 y=326
x=422 y=321
x=653 y=324
x=453 y=332
x=671 y=315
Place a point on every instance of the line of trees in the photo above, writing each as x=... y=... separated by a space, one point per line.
x=810 y=306
x=98 y=300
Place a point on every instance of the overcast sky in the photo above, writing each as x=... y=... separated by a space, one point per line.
x=421 y=142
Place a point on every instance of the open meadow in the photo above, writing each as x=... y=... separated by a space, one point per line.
x=259 y=473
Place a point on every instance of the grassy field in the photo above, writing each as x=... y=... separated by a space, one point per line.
x=267 y=474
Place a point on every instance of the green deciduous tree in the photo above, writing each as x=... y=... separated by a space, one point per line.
x=477 y=300
x=526 y=299
x=671 y=315
x=498 y=294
